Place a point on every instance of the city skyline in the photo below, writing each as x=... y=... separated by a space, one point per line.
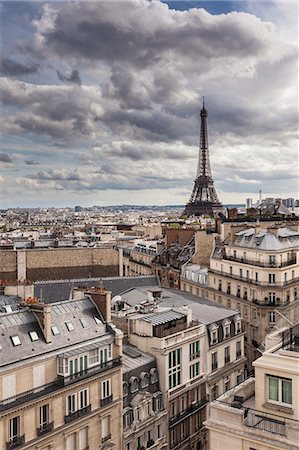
x=101 y=101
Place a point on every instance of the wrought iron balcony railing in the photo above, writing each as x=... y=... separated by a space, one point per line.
x=76 y=414
x=190 y=410
x=107 y=400
x=15 y=442
x=45 y=428
x=59 y=383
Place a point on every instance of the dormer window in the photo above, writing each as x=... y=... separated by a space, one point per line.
x=154 y=375
x=133 y=384
x=214 y=334
x=125 y=389
x=226 y=327
x=238 y=325
x=144 y=379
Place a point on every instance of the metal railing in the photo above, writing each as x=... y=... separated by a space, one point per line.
x=107 y=400
x=76 y=414
x=190 y=410
x=45 y=428
x=265 y=422
x=15 y=442
x=290 y=339
x=268 y=264
x=59 y=383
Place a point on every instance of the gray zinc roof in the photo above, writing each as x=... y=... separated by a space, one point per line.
x=58 y=290
x=134 y=362
x=21 y=323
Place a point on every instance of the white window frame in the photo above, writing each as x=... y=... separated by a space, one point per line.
x=106 y=390
x=279 y=391
x=83 y=394
x=73 y=404
x=174 y=368
x=93 y=357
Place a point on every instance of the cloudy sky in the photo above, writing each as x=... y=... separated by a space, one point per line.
x=101 y=100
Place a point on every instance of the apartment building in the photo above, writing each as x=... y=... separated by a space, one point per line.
x=199 y=349
x=137 y=261
x=60 y=375
x=263 y=412
x=256 y=271
x=144 y=416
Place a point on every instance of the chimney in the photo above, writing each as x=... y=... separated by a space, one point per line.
x=43 y=314
x=102 y=300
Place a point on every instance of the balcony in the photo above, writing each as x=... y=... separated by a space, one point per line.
x=77 y=414
x=59 y=383
x=105 y=401
x=106 y=438
x=91 y=371
x=45 y=428
x=189 y=411
x=15 y=442
x=275 y=265
x=253 y=281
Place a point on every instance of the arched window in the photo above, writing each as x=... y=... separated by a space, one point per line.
x=133 y=384
x=144 y=379
x=154 y=375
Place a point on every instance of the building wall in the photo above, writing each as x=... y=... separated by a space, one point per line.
x=47 y=264
x=203 y=248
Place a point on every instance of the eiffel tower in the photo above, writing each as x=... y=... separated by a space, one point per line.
x=204 y=199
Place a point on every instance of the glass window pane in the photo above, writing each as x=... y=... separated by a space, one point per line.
x=287 y=391
x=273 y=389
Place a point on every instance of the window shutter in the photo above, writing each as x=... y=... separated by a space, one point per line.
x=8 y=386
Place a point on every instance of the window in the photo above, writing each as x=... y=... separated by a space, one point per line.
x=238 y=291
x=239 y=378
x=214 y=361
x=227 y=331
x=227 y=385
x=70 y=326
x=83 y=439
x=226 y=355
x=279 y=390
x=254 y=314
x=229 y=302
x=125 y=389
x=71 y=442
x=238 y=326
x=128 y=418
x=128 y=446
x=84 y=323
x=228 y=288
x=144 y=379
x=106 y=428
x=157 y=402
x=70 y=404
x=43 y=416
x=14 y=429
x=271 y=278
x=33 y=335
x=106 y=388
x=272 y=260
x=238 y=349
x=15 y=340
x=271 y=296
x=55 y=330
x=97 y=320
x=272 y=317
x=245 y=312
x=174 y=368
x=133 y=384
x=194 y=370
x=154 y=375
x=83 y=398
x=94 y=356
x=230 y=270
x=158 y=431
x=214 y=392
x=256 y=276
x=194 y=351
x=241 y=273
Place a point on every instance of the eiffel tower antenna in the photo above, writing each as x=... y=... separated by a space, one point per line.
x=204 y=199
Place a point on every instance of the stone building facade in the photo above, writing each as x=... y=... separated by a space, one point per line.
x=60 y=376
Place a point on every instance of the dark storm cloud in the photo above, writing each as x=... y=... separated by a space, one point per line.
x=5 y=158
x=148 y=34
x=31 y=162
x=74 y=77
x=9 y=67
x=59 y=174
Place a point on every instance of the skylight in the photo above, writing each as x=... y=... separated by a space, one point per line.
x=55 y=330
x=70 y=326
x=15 y=340
x=33 y=335
x=97 y=320
x=7 y=308
x=84 y=323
